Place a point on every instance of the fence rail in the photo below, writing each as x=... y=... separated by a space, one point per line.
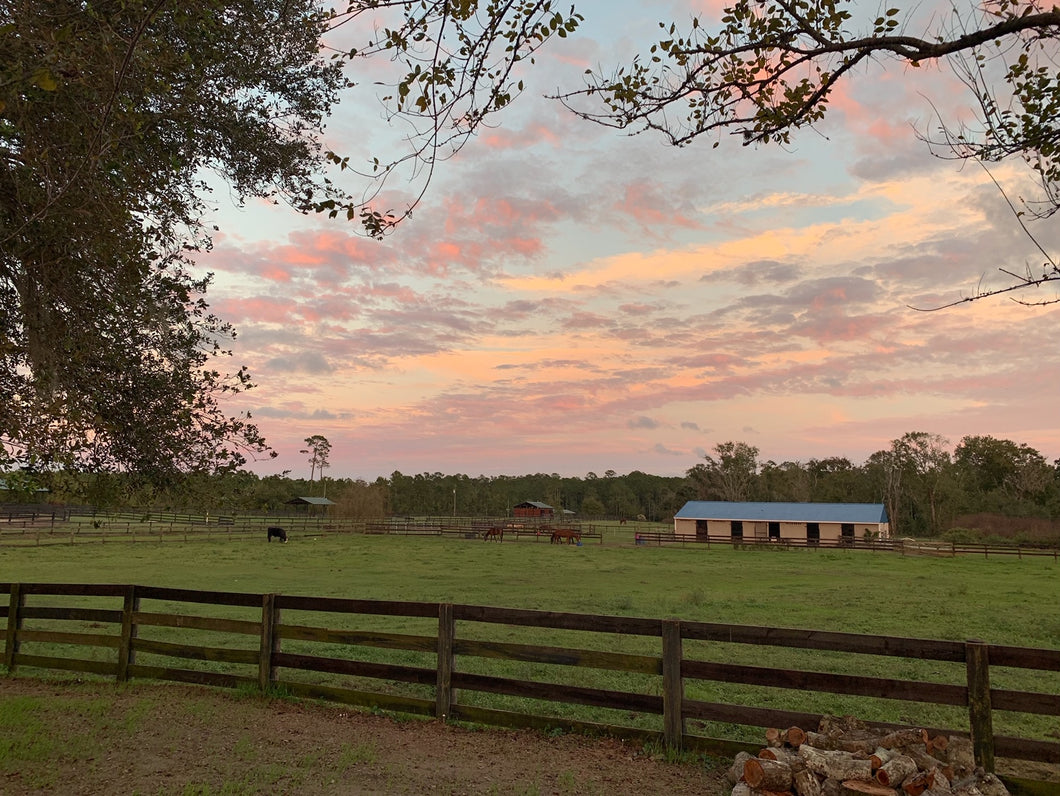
x=902 y=546
x=262 y=648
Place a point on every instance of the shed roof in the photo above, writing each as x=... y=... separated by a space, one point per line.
x=526 y=504
x=310 y=501
x=783 y=512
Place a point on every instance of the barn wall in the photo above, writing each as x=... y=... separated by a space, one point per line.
x=684 y=527
x=830 y=531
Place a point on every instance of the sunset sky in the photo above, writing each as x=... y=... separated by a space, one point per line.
x=571 y=299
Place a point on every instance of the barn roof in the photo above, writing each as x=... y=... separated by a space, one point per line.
x=310 y=501
x=527 y=504
x=782 y=512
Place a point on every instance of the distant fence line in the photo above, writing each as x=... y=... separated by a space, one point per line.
x=928 y=547
x=49 y=525
x=32 y=620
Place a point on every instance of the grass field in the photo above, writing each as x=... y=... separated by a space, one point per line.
x=998 y=600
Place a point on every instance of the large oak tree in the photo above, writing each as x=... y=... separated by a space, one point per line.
x=113 y=115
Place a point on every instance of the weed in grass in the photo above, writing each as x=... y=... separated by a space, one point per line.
x=244 y=749
x=25 y=745
x=567 y=782
x=361 y=754
x=695 y=597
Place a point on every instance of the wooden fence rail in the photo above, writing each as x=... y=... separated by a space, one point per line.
x=297 y=643
x=902 y=546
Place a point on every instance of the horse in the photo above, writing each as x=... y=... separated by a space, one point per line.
x=493 y=533
x=277 y=533
x=561 y=534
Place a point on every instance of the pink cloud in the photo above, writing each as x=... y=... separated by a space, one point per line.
x=523 y=138
x=654 y=209
x=256 y=309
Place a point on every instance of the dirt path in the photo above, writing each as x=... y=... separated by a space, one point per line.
x=96 y=738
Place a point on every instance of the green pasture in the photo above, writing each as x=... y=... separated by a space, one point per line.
x=998 y=600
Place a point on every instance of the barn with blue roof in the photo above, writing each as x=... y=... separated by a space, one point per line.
x=795 y=521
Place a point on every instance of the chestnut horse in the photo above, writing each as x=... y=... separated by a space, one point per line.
x=493 y=533
x=561 y=534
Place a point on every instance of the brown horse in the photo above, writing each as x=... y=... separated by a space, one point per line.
x=562 y=534
x=494 y=533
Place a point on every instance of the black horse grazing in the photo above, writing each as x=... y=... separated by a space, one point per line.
x=277 y=533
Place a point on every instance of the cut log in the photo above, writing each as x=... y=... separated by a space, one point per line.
x=835 y=764
x=807 y=784
x=763 y=774
x=939 y=781
x=938 y=743
x=736 y=772
x=773 y=737
x=780 y=753
x=857 y=787
x=896 y=771
x=741 y=789
x=990 y=785
x=831 y=787
x=925 y=762
x=959 y=754
x=918 y=783
x=794 y=736
x=820 y=740
x=864 y=743
x=881 y=756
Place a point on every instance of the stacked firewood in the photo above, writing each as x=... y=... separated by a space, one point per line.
x=846 y=757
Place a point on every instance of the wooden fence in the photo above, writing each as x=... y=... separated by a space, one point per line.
x=270 y=650
x=533 y=529
x=43 y=532
x=919 y=547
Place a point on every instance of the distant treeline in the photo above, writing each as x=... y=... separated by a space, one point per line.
x=926 y=485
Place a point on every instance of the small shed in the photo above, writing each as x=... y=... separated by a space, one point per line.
x=531 y=508
x=811 y=522
x=310 y=502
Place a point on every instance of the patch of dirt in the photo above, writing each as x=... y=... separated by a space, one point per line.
x=96 y=738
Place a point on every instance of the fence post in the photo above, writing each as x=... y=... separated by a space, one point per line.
x=14 y=624
x=444 y=695
x=126 y=654
x=270 y=642
x=673 y=685
x=977 y=662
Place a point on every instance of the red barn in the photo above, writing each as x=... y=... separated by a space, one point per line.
x=532 y=508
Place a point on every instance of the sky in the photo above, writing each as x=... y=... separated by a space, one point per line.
x=570 y=299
